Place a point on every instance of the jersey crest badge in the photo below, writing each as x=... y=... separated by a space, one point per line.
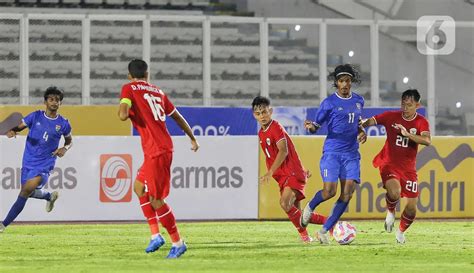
x=268 y=141
x=413 y=131
x=358 y=105
x=58 y=127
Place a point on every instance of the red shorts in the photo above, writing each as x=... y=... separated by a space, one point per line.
x=408 y=180
x=292 y=183
x=155 y=173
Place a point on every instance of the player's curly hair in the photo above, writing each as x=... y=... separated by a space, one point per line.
x=53 y=90
x=259 y=101
x=345 y=69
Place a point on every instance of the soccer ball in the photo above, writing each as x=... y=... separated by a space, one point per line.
x=344 y=232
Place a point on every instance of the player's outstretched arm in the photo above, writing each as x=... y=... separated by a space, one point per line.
x=16 y=129
x=183 y=124
x=310 y=126
x=424 y=138
x=367 y=122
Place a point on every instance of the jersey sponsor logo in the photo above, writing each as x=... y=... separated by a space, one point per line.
x=413 y=131
x=115 y=178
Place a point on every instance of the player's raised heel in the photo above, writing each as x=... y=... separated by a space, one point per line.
x=2 y=227
x=50 y=203
x=323 y=237
x=306 y=216
x=155 y=244
x=400 y=236
x=177 y=251
x=389 y=221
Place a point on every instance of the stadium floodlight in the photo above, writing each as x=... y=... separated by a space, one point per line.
x=405 y=80
x=298 y=27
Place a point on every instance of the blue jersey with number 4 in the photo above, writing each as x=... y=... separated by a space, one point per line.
x=342 y=116
x=43 y=139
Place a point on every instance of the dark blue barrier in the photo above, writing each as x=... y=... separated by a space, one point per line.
x=223 y=121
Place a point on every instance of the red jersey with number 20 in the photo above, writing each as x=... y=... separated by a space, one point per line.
x=268 y=141
x=398 y=150
x=148 y=112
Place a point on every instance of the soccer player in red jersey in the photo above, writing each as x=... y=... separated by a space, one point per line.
x=284 y=165
x=397 y=159
x=147 y=107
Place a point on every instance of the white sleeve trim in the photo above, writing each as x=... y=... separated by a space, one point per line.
x=283 y=138
x=174 y=110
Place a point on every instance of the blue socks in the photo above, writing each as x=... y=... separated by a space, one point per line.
x=41 y=194
x=15 y=210
x=337 y=211
x=317 y=199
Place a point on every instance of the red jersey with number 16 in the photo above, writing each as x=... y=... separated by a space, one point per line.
x=268 y=141
x=398 y=150
x=148 y=112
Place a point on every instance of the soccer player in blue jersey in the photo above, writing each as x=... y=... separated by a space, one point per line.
x=41 y=150
x=340 y=160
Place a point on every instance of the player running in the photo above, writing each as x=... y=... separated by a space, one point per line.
x=397 y=159
x=284 y=165
x=147 y=107
x=340 y=160
x=41 y=150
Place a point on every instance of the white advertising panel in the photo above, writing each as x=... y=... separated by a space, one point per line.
x=95 y=180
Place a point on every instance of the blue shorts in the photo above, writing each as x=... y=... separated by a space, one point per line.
x=27 y=174
x=335 y=166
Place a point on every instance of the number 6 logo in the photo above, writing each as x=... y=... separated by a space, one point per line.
x=435 y=35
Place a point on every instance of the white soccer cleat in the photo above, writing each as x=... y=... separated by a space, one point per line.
x=2 y=227
x=50 y=203
x=323 y=237
x=306 y=216
x=389 y=221
x=400 y=236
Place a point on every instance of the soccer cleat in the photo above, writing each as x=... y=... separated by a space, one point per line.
x=306 y=239
x=389 y=221
x=155 y=244
x=306 y=216
x=323 y=237
x=177 y=251
x=50 y=203
x=400 y=236
x=2 y=227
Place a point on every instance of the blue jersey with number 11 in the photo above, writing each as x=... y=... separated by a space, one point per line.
x=342 y=116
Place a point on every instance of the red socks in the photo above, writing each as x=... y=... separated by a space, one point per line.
x=149 y=213
x=405 y=221
x=294 y=214
x=318 y=219
x=168 y=221
x=391 y=204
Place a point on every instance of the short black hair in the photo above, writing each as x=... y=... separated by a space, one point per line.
x=411 y=93
x=345 y=69
x=260 y=101
x=53 y=90
x=137 y=68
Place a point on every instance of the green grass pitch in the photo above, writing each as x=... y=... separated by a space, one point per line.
x=256 y=246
